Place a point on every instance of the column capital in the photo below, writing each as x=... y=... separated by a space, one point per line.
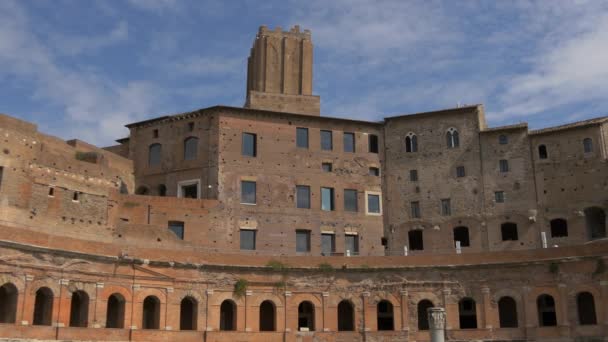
x=287 y=293
x=248 y=292
x=169 y=290
x=365 y=294
x=325 y=294
x=403 y=292
x=99 y=285
x=436 y=318
x=136 y=287
x=64 y=281
x=29 y=277
x=446 y=291
x=485 y=290
x=604 y=283
x=561 y=285
x=209 y=292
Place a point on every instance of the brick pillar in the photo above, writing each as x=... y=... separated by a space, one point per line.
x=405 y=317
x=98 y=310
x=603 y=307
x=135 y=315
x=62 y=318
x=168 y=321
x=248 y=294
x=287 y=309
x=529 y=310
x=325 y=297
x=365 y=312
x=446 y=303
x=563 y=323
x=487 y=310
x=27 y=302
x=209 y=294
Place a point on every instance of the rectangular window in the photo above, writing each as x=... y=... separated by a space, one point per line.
x=328 y=244
x=248 y=192
x=460 y=171
x=350 y=200
x=504 y=165
x=189 y=191
x=446 y=207
x=190 y=126
x=373 y=143
x=326 y=141
x=413 y=175
x=351 y=244
x=177 y=227
x=327 y=199
x=249 y=147
x=499 y=196
x=248 y=239
x=302 y=241
x=302 y=137
x=1 y=172
x=155 y=133
x=374 y=171
x=373 y=204
x=416 y=241
x=349 y=142
x=303 y=196
x=415 y=209
x=327 y=167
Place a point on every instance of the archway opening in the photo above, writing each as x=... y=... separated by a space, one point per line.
x=595 y=219
x=267 y=316
x=346 y=316
x=79 y=309
x=467 y=313
x=545 y=305
x=586 y=309
x=188 y=313
x=384 y=311
x=43 y=306
x=423 y=318
x=306 y=316
x=462 y=234
x=151 y=313
x=228 y=315
x=115 y=314
x=507 y=312
x=8 y=303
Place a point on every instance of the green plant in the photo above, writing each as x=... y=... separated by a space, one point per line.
x=554 y=267
x=277 y=265
x=280 y=285
x=130 y=204
x=325 y=267
x=240 y=288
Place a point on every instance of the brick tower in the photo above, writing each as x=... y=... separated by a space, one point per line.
x=279 y=72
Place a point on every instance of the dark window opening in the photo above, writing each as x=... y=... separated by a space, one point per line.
x=413 y=175
x=415 y=209
x=326 y=167
x=162 y=190
x=503 y=140
x=415 y=240
x=385 y=318
x=559 y=227
x=467 y=313
x=154 y=152
x=507 y=312
x=8 y=303
x=306 y=316
x=302 y=137
x=350 y=200
x=155 y=133
x=503 y=165
x=349 y=142
x=43 y=307
x=302 y=241
x=248 y=192
x=115 y=313
x=452 y=138
x=460 y=172
x=327 y=199
x=328 y=244
x=586 y=309
x=177 y=227
x=499 y=196
x=326 y=141
x=546 y=311
x=151 y=313
x=509 y=231
x=190 y=148
x=373 y=143
x=79 y=309
x=588 y=145
x=75 y=196
x=188 y=313
x=228 y=316
x=248 y=239
x=190 y=190
x=411 y=143
x=346 y=316
x=190 y=126
x=142 y=190
x=351 y=244
x=423 y=318
x=462 y=234
x=373 y=204
x=446 y=207
x=595 y=220
x=267 y=316
x=303 y=196
x=51 y=192
x=374 y=171
x=542 y=152
x=249 y=147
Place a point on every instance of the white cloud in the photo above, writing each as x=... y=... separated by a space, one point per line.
x=155 y=5
x=74 y=45
x=196 y=65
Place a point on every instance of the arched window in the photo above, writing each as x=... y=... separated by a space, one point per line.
x=43 y=306
x=508 y=231
x=188 y=313
x=228 y=315
x=462 y=234
x=586 y=309
x=595 y=219
x=452 y=138
x=8 y=303
x=190 y=148
x=142 y=190
x=151 y=313
x=154 y=152
x=415 y=240
x=467 y=313
x=507 y=312
x=588 y=145
x=542 y=152
x=384 y=312
x=411 y=142
x=162 y=190
x=267 y=316
x=306 y=316
x=79 y=309
x=346 y=316
x=423 y=318
x=115 y=314
x=546 y=311
x=559 y=227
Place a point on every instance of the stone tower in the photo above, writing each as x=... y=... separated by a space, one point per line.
x=279 y=72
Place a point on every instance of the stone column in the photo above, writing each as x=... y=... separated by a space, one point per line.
x=405 y=319
x=209 y=293
x=529 y=311
x=436 y=318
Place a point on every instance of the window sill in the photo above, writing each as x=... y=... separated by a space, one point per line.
x=248 y=203
x=373 y=214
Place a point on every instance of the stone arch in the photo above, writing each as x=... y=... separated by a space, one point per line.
x=191 y=293
x=228 y=315
x=315 y=317
x=546 y=307
x=346 y=310
x=151 y=312
x=188 y=313
x=421 y=312
x=115 y=310
x=218 y=297
x=142 y=293
x=79 y=309
x=52 y=284
x=17 y=281
x=261 y=297
x=9 y=295
x=267 y=316
x=467 y=313
x=108 y=290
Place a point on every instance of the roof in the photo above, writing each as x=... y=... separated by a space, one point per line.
x=522 y=125
x=578 y=124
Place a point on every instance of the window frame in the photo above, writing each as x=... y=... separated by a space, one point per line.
x=332 y=236
x=324 y=134
x=254 y=233
x=302 y=187
x=355 y=238
x=158 y=162
x=299 y=143
x=254 y=147
x=372 y=143
x=367 y=196
x=186 y=141
x=351 y=208
x=180 y=184
x=332 y=203
x=173 y=223
x=324 y=164
x=460 y=174
x=503 y=166
x=415 y=212
x=374 y=171
x=445 y=210
x=414 y=173
x=503 y=139
x=500 y=196
x=255 y=192
x=346 y=137
x=307 y=234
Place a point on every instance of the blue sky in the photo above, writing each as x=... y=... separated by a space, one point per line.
x=85 y=68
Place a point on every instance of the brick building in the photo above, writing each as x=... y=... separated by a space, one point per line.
x=274 y=223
